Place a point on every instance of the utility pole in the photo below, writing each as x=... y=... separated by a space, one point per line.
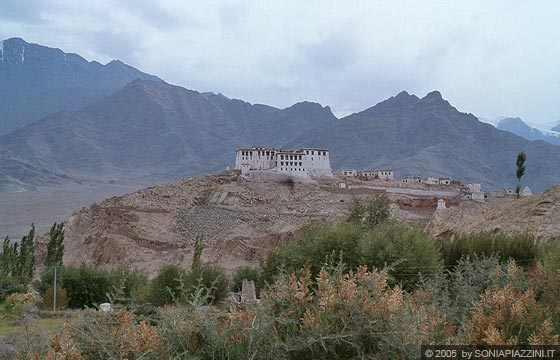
x=54 y=290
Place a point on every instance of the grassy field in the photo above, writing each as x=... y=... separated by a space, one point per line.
x=27 y=335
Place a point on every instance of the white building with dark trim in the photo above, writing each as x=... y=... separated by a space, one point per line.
x=305 y=162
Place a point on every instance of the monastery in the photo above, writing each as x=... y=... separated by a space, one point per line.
x=305 y=163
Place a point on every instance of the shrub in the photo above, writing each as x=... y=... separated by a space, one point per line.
x=550 y=254
x=61 y=298
x=369 y=212
x=116 y=335
x=167 y=286
x=317 y=243
x=244 y=272
x=211 y=279
x=408 y=252
x=133 y=285
x=85 y=285
x=10 y=285
x=17 y=303
x=518 y=246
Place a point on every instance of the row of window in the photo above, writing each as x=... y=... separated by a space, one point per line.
x=291 y=163
x=292 y=169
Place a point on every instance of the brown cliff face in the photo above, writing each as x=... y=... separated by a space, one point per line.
x=238 y=219
x=539 y=214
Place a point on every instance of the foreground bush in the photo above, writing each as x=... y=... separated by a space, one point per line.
x=518 y=246
x=339 y=314
x=98 y=335
x=85 y=286
x=174 y=285
x=408 y=252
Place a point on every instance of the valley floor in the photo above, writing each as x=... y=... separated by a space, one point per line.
x=47 y=205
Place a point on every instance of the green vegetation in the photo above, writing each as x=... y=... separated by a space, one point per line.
x=55 y=246
x=520 y=246
x=367 y=287
x=520 y=171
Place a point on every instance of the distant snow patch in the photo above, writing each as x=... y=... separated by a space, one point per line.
x=23 y=53
x=2 y=50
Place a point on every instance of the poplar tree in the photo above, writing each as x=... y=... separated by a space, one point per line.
x=55 y=246
x=520 y=170
x=8 y=258
x=26 y=257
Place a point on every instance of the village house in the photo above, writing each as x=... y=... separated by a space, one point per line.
x=384 y=174
x=417 y=180
x=432 y=180
x=444 y=181
x=474 y=187
x=406 y=180
x=349 y=172
x=305 y=162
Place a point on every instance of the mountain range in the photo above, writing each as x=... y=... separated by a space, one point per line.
x=37 y=81
x=519 y=127
x=149 y=131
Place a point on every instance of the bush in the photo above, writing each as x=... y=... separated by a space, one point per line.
x=17 y=303
x=133 y=285
x=241 y=273
x=369 y=212
x=210 y=279
x=518 y=246
x=85 y=285
x=61 y=298
x=115 y=335
x=167 y=286
x=10 y=285
x=407 y=251
x=317 y=243
x=550 y=254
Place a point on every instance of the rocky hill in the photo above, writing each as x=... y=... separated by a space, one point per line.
x=36 y=81
x=538 y=214
x=239 y=220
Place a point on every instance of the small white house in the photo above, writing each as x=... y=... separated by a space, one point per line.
x=349 y=172
x=509 y=191
x=417 y=180
x=475 y=188
x=406 y=180
x=384 y=174
x=441 y=204
x=444 y=181
x=477 y=196
x=432 y=180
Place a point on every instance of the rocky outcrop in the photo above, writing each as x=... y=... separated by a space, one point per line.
x=538 y=214
x=239 y=220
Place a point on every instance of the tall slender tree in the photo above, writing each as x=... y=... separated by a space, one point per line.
x=8 y=258
x=55 y=246
x=26 y=258
x=520 y=171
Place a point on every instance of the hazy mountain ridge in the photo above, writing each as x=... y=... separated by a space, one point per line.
x=427 y=137
x=152 y=131
x=36 y=81
x=519 y=127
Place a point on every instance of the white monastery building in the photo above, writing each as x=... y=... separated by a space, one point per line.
x=302 y=163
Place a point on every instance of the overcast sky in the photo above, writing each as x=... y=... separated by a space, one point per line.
x=490 y=58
